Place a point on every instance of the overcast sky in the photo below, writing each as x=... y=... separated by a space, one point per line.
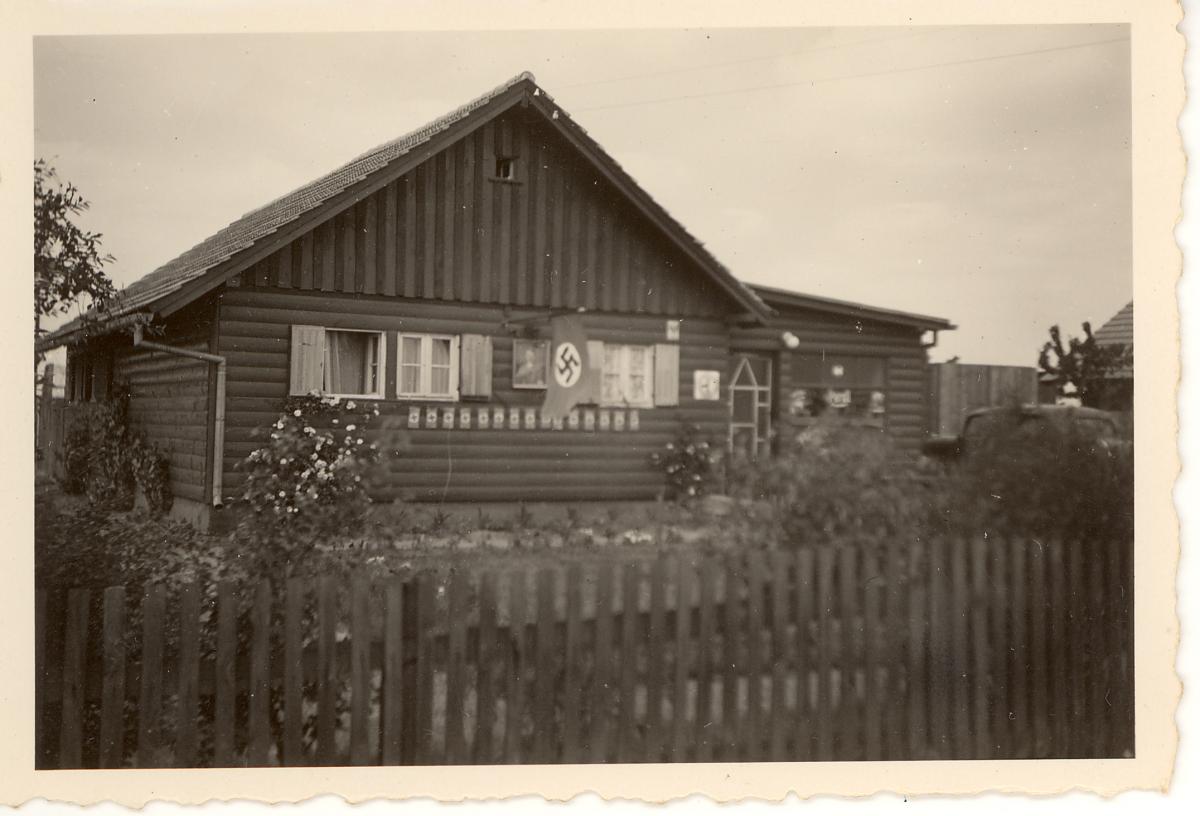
x=980 y=174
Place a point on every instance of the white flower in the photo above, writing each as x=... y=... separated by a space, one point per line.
x=282 y=495
x=296 y=413
x=359 y=442
x=308 y=429
x=279 y=425
x=350 y=427
x=350 y=405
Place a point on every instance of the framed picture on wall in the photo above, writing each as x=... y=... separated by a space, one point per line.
x=531 y=362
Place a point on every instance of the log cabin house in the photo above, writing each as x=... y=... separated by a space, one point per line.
x=423 y=275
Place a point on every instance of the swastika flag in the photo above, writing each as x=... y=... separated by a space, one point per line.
x=569 y=382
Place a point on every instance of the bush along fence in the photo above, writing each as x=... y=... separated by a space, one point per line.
x=933 y=650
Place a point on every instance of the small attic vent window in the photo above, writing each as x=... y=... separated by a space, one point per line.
x=506 y=168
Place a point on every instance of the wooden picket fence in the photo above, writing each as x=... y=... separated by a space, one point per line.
x=938 y=650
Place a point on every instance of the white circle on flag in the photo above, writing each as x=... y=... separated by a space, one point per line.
x=567 y=364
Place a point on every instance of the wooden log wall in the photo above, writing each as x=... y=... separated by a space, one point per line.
x=465 y=464
x=556 y=234
x=906 y=391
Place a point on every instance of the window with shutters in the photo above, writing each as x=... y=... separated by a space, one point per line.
x=627 y=376
x=352 y=364
x=428 y=367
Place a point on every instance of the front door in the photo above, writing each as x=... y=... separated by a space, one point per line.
x=750 y=405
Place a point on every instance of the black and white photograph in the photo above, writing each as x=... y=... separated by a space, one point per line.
x=584 y=397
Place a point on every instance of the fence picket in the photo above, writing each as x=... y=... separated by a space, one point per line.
x=999 y=668
x=1059 y=645
x=781 y=564
x=918 y=689
x=683 y=660
x=805 y=596
x=258 y=742
x=151 y=673
x=960 y=655
x=849 y=746
x=514 y=699
x=485 y=700
x=186 y=712
x=572 y=657
x=939 y=652
x=1077 y=635
x=426 y=627
x=894 y=642
x=112 y=704
x=1018 y=707
x=225 y=691
x=544 y=659
x=627 y=723
x=70 y=743
x=704 y=734
x=360 y=669
x=327 y=675
x=293 y=674
x=984 y=747
x=732 y=651
x=456 y=669
x=752 y=745
x=655 y=663
x=602 y=671
x=41 y=620
x=875 y=688
x=1038 y=691
x=1099 y=627
x=824 y=713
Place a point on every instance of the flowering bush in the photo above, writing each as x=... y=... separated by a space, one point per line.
x=308 y=482
x=688 y=463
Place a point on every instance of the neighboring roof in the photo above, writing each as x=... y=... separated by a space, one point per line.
x=784 y=297
x=222 y=248
x=1118 y=330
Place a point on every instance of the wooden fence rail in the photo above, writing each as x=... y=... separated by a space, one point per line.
x=938 y=650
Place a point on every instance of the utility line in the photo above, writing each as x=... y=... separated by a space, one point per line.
x=688 y=69
x=819 y=80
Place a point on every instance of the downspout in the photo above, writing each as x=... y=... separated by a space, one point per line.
x=218 y=420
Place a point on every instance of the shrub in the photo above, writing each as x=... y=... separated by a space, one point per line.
x=688 y=463
x=308 y=483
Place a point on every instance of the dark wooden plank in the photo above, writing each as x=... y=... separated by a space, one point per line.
x=327 y=236
x=824 y=715
x=456 y=668
x=327 y=674
x=875 y=688
x=392 y=691
x=390 y=265
x=705 y=731
x=918 y=689
x=656 y=663
x=293 y=679
x=450 y=217
x=980 y=635
x=627 y=724
x=283 y=271
x=502 y=292
x=732 y=636
x=225 y=691
x=485 y=695
x=306 y=261
x=408 y=205
x=41 y=634
x=428 y=171
x=779 y=583
x=151 y=686
x=112 y=704
x=70 y=744
x=599 y=723
x=752 y=745
x=1100 y=646
x=467 y=204
x=804 y=598
x=360 y=669
x=940 y=659
x=684 y=581
x=1059 y=656
x=521 y=264
x=426 y=654
x=1076 y=649
x=960 y=613
x=1018 y=710
x=514 y=710
x=187 y=707
x=485 y=224
x=258 y=742
x=348 y=238
x=572 y=711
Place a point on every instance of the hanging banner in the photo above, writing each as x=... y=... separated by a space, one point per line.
x=569 y=383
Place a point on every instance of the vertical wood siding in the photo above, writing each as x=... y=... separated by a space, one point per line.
x=464 y=464
x=907 y=386
x=556 y=235
x=168 y=396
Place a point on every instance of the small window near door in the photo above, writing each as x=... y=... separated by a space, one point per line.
x=428 y=367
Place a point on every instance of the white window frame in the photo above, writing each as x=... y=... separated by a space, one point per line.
x=623 y=369
x=380 y=363
x=426 y=363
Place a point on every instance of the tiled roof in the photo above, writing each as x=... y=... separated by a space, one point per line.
x=1118 y=330
x=262 y=222
x=786 y=297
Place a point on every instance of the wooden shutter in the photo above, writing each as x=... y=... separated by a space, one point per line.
x=476 y=366
x=666 y=374
x=595 y=354
x=308 y=360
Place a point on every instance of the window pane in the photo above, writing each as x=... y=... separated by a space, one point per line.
x=346 y=356
x=441 y=352
x=410 y=379
x=439 y=380
x=410 y=350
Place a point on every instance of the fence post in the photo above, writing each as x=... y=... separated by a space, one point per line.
x=150 y=701
x=70 y=750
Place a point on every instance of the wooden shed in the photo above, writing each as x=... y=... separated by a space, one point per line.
x=423 y=277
